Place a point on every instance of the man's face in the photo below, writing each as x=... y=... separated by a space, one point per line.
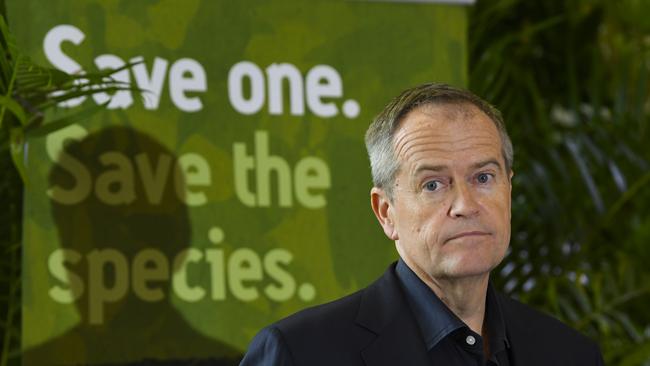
x=450 y=213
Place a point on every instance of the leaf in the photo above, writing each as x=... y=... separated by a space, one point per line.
x=639 y=356
x=6 y=52
x=568 y=310
x=13 y=107
x=627 y=324
x=17 y=147
x=626 y=197
x=64 y=121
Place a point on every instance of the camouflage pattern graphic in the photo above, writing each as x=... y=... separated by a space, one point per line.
x=175 y=225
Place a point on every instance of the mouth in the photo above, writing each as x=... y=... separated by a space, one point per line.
x=466 y=234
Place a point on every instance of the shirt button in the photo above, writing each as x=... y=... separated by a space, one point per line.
x=470 y=340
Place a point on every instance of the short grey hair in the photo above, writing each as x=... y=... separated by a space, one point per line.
x=379 y=137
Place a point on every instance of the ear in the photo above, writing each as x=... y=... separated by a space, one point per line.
x=383 y=209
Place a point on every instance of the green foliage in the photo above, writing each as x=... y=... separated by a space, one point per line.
x=572 y=80
x=27 y=93
x=10 y=260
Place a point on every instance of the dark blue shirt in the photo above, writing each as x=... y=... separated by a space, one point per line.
x=449 y=341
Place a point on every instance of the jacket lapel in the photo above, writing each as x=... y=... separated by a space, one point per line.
x=385 y=312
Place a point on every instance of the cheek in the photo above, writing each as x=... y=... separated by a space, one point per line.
x=498 y=200
x=408 y=216
x=419 y=225
x=499 y=214
x=428 y=233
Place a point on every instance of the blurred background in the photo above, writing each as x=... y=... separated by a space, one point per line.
x=572 y=80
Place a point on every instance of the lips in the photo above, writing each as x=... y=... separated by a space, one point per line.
x=467 y=234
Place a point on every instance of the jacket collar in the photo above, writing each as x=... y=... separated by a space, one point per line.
x=385 y=312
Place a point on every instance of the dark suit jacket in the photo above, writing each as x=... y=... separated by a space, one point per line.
x=375 y=326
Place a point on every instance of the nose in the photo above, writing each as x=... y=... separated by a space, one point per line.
x=463 y=202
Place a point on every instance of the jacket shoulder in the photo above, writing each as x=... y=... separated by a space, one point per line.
x=533 y=333
x=320 y=318
x=325 y=334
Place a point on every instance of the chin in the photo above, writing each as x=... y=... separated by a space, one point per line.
x=466 y=267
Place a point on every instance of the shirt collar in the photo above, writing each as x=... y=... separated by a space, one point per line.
x=437 y=321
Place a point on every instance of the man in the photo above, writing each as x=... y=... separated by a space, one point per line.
x=442 y=167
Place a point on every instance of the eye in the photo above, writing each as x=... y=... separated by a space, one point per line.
x=483 y=178
x=431 y=185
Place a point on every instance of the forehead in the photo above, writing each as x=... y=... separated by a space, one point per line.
x=447 y=132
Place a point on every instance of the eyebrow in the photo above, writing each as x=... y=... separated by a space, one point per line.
x=439 y=168
x=485 y=163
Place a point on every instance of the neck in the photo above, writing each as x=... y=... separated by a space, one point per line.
x=464 y=296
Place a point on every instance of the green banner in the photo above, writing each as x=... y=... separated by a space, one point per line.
x=234 y=191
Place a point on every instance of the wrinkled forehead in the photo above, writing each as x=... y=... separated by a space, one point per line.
x=445 y=131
